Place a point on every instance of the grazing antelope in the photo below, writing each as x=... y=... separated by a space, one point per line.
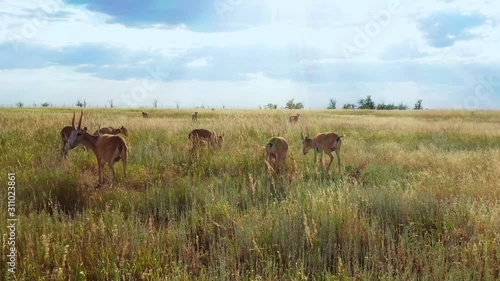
x=65 y=134
x=322 y=142
x=107 y=148
x=194 y=117
x=112 y=131
x=294 y=118
x=276 y=148
x=199 y=137
x=145 y=115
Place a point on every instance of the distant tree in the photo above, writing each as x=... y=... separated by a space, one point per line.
x=291 y=105
x=332 y=105
x=45 y=104
x=349 y=106
x=155 y=103
x=84 y=103
x=19 y=104
x=111 y=103
x=383 y=106
x=79 y=104
x=366 y=103
x=402 y=106
x=271 y=106
x=177 y=104
x=418 y=105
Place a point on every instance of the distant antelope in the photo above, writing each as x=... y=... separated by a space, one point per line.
x=199 y=137
x=294 y=118
x=112 y=131
x=276 y=149
x=107 y=148
x=65 y=134
x=323 y=142
x=145 y=115
x=194 y=117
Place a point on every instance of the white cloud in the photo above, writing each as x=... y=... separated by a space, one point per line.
x=297 y=27
x=201 y=62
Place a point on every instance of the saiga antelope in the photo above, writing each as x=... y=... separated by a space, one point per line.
x=107 y=148
x=323 y=142
x=294 y=118
x=65 y=134
x=276 y=149
x=145 y=115
x=194 y=117
x=112 y=131
x=199 y=137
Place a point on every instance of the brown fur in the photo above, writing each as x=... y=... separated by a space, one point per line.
x=294 y=118
x=194 y=117
x=107 y=149
x=201 y=137
x=112 y=131
x=276 y=150
x=323 y=142
x=145 y=115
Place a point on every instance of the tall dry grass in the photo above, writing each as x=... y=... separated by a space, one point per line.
x=417 y=199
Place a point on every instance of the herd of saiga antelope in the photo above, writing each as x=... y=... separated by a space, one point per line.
x=110 y=148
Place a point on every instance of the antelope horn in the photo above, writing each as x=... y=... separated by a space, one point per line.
x=73 y=120
x=80 y=121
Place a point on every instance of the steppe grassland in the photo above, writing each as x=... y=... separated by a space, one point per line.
x=418 y=198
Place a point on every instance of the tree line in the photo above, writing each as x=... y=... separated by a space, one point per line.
x=368 y=103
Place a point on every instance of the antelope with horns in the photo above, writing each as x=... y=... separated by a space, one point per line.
x=65 y=134
x=145 y=115
x=112 y=131
x=322 y=142
x=194 y=117
x=199 y=137
x=294 y=118
x=107 y=148
x=275 y=150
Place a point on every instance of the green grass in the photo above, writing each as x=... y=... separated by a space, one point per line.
x=417 y=198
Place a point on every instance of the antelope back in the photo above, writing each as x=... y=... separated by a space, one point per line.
x=202 y=134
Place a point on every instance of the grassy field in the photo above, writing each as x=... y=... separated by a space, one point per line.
x=417 y=198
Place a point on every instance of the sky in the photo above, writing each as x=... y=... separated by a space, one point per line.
x=249 y=53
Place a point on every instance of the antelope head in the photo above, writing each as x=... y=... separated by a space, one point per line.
x=124 y=131
x=77 y=134
x=220 y=140
x=307 y=142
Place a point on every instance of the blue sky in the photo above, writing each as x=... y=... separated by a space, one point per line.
x=242 y=53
